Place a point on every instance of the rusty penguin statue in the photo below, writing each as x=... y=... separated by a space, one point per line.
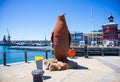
x=61 y=39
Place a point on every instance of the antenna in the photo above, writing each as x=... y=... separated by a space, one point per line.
x=92 y=20
x=45 y=38
x=83 y=37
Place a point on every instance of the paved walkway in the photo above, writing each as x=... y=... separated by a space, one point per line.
x=90 y=70
x=114 y=63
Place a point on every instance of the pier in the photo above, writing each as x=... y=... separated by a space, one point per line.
x=45 y=48
x=103 y=51
x=114 y=51
x=90 y=70
x=81 y=51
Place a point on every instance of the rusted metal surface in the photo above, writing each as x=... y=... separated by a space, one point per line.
x=61 y=39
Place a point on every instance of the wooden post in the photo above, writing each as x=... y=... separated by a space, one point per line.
x=4 y=58
x=46 y=52
x=102 y=51
x=86 y=51
x=25 y=53
x=119 y=52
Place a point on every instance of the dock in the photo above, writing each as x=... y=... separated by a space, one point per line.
x=44 y=48
x=114 y=51
x=90 y=70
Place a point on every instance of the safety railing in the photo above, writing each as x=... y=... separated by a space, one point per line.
x=24 y=57
x=103 y=51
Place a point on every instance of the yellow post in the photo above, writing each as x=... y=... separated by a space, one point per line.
x=39 y=63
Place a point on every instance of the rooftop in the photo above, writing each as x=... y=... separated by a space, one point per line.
x=109 y=23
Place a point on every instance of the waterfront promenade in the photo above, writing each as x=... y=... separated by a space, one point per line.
x=96 y=50
x=94 y=69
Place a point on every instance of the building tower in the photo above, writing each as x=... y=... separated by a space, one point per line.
x=110 y=31
x=4 y=39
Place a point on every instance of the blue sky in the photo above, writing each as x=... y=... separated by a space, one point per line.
x=35 y=19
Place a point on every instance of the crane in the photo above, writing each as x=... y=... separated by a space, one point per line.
x=8 y=35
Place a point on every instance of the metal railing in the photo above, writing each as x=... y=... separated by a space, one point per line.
x=98 y=50
x=4 y=59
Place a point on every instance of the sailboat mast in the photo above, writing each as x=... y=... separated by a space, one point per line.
x=92 y=22
x=8 y=32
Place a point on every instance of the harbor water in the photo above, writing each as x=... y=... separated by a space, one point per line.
x=13 y=56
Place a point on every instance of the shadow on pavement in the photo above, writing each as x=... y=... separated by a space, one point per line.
x=46 y=77
x=82 y=67
x=7 y=65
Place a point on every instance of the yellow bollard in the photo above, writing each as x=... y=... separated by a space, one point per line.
x=39 y=63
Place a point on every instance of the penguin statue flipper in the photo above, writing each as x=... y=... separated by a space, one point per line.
x=52 y=40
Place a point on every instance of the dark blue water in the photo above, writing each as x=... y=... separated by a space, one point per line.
x=13 y=56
